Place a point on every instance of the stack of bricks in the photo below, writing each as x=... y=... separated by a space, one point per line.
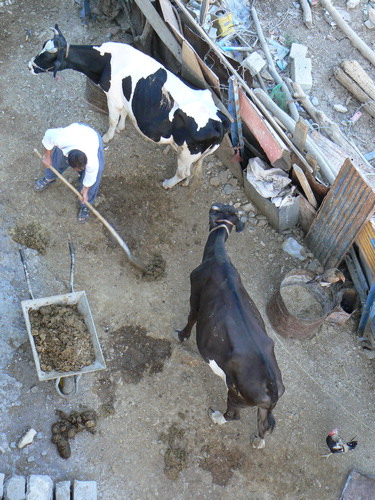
x=41 y=487
x=300 y=66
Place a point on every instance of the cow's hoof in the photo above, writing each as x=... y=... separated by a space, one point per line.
x=216 y=416
x=176 y=336
x=168 y=184
x=106 y=138
x=257 y=442
x=185 y=182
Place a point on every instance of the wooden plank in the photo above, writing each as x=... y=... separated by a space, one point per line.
x=331 y=150
x=300 y=134
x=344 y=211
x=159 y=26
x=356 y=90
x=227 y=156
x=268 y=140
x=306 y=214
x=203 y=11
x=359 y=75
x=191 y=69
x=169 y=14
x=305 y=186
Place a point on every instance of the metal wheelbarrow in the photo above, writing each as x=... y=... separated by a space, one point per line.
x=66 y=383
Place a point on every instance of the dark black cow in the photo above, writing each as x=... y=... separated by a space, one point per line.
x=160 y=105
x=231 y=334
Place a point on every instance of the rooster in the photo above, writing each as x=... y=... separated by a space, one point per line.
x=329 y=277
x=336 y=444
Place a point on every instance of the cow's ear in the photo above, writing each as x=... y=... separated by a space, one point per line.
x=240 y=226
x=58 y=62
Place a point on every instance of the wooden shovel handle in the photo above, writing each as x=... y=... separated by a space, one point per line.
x=136 y=262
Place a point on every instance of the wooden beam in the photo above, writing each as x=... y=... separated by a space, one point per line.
x=300 y=134
x=305 y=185
x=159 y=26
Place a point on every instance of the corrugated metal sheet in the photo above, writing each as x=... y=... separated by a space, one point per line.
x=345 y=210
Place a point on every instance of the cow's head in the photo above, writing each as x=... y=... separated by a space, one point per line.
x=51 y=56
x=220 y=212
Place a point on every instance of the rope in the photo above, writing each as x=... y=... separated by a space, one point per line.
x=345 y=410
x=70 y=89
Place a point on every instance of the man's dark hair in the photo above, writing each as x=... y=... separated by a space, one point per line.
x=77 y=159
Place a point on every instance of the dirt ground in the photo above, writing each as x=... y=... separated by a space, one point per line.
x=154 y=438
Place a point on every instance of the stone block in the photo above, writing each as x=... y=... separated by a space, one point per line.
x=254 y=63
x=62 y=490
x=301 y=72
x=84 y=490
x=39 y=487
x=15 y=488
x=2 y=478
x=297 y=50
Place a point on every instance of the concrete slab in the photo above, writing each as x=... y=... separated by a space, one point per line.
x=39 y=487
x=2 y=478
x=62 y=490
x=301 y=72
x=15 y=488
x=359 y=486
x=84 y=490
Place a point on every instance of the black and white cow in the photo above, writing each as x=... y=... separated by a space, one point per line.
x=161 y=107
x=231 y=335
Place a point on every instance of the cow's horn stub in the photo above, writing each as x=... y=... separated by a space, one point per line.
x=54 y=31
x=214 y=207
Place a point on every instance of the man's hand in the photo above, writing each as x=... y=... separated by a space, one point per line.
x=85 y=194
x=47 y=158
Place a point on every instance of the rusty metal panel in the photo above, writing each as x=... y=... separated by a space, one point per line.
x=346 y=208
x=366 y=245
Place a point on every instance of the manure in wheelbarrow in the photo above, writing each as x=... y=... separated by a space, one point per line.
x=61 y=338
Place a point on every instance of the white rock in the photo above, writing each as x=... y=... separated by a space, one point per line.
x=248 y=207
x=371 y=15
x=27 y=438
x=340 y=108
x=254 y=63
x=297 y=50
x=352 y=4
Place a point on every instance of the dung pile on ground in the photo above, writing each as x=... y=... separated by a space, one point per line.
x=155 y=269
x=69 y=426
x=32 y=235
x=61 y=338
x=176 y=455
x=134 y=353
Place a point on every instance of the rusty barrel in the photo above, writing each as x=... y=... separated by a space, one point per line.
x=285 y=321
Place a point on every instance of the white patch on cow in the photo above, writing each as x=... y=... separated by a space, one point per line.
x=197 y=104
x=217 y=370
x=257 y=442
x=49 y=47
x=217 y=417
